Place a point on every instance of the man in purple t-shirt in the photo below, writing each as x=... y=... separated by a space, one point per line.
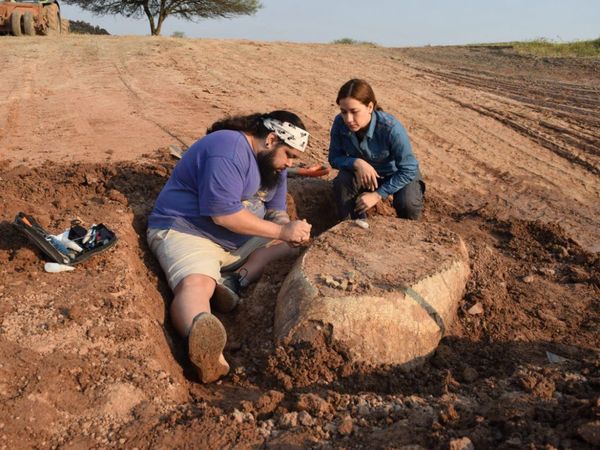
x=220 y=219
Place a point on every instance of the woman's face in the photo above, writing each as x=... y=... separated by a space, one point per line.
x=356 y=115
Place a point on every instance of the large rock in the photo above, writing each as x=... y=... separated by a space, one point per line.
x=383 y=295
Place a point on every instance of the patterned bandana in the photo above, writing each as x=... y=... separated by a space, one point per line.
x=289 y=133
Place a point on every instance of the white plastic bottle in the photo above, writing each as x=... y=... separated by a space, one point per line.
x=56 y=267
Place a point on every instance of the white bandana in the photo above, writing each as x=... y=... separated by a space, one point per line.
x=289 y=133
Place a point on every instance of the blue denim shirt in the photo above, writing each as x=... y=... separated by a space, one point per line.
x=385 y=146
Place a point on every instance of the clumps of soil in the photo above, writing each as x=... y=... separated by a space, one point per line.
x=91 y=354
x=345 y=282
x=305 y=364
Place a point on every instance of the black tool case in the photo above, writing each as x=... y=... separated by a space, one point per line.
x=100 y=238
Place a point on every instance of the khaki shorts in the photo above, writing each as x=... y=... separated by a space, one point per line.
x=183 y=254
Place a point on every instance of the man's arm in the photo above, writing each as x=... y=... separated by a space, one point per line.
x=244 y=222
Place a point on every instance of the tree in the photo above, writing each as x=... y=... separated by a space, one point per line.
x=158 y=10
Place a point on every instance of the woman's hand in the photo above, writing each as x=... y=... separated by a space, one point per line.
x=365 y=174
x=366 y=201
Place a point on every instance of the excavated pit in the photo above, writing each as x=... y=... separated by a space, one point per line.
x=92 y=356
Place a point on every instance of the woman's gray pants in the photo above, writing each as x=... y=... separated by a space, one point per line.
x=408 y=201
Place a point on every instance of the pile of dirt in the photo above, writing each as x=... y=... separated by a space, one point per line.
x=509 y=148
x=91 y=353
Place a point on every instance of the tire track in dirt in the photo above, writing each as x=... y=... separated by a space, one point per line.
x=536 y=190
x=121 y=98
x=139 y=100
x=89 y=359
x=545 y=100
x=19 y=92
x=544 y=139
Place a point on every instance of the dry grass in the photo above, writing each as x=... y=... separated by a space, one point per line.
x=545 y=47
x=350 y=41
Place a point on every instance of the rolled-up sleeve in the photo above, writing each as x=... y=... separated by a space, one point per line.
x=220 y=189
x=338 y=158
x=406 y=162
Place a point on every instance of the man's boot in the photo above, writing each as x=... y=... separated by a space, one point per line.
x=206 y=342
x=227 y=292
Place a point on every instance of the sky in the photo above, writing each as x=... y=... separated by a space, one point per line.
x=390 y=23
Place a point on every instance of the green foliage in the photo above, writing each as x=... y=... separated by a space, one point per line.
x=82 y=27
x=178 y=34
x=157 y=11
x=546 y=47
x=350 y=41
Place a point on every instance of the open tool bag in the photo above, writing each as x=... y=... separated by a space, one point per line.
x=71 y=247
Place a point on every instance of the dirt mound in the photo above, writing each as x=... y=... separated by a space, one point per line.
x=91 y=354
x=88 y=358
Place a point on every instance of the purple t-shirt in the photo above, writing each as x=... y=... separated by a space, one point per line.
x=218 y=175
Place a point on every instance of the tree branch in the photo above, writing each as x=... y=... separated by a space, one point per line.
x=157 y=11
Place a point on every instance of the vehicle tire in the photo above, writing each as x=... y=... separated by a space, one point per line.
x=52 y=19
x=15 y=23
x=28 y=24
x=65 y=26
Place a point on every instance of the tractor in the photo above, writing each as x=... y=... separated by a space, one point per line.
x=31 y=17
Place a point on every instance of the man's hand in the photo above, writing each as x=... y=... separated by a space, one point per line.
x=365 y=174
x=296 y=232
x=244 y=222
x=366 y=201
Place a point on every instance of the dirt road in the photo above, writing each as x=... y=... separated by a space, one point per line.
x=509 y=147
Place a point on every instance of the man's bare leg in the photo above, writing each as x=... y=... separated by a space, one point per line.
x=190 y=314
x=192 y=296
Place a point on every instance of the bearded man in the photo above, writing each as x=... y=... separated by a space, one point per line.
x=220 y=219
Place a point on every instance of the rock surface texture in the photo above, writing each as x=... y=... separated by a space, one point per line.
x=382 y=295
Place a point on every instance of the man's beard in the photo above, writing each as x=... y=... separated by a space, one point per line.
x=269 y=176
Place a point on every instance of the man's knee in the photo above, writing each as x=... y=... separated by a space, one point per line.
x=195 y=281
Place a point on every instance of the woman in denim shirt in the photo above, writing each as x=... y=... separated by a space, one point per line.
x=373 y=154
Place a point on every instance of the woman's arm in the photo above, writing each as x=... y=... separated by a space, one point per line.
x=406 y=163
x=338 y=158
x=365 y=174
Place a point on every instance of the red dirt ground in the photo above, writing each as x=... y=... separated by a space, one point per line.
x=510 y=150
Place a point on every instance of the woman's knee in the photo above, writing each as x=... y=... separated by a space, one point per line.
x=411 y=212
x=409 y=201
x=344 y=181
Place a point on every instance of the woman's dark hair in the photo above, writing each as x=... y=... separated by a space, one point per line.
x=253 y=123
x=358 y=90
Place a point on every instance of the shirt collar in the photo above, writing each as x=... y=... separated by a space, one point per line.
x=372 y=125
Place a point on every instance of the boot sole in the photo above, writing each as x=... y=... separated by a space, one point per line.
x=206 y=343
